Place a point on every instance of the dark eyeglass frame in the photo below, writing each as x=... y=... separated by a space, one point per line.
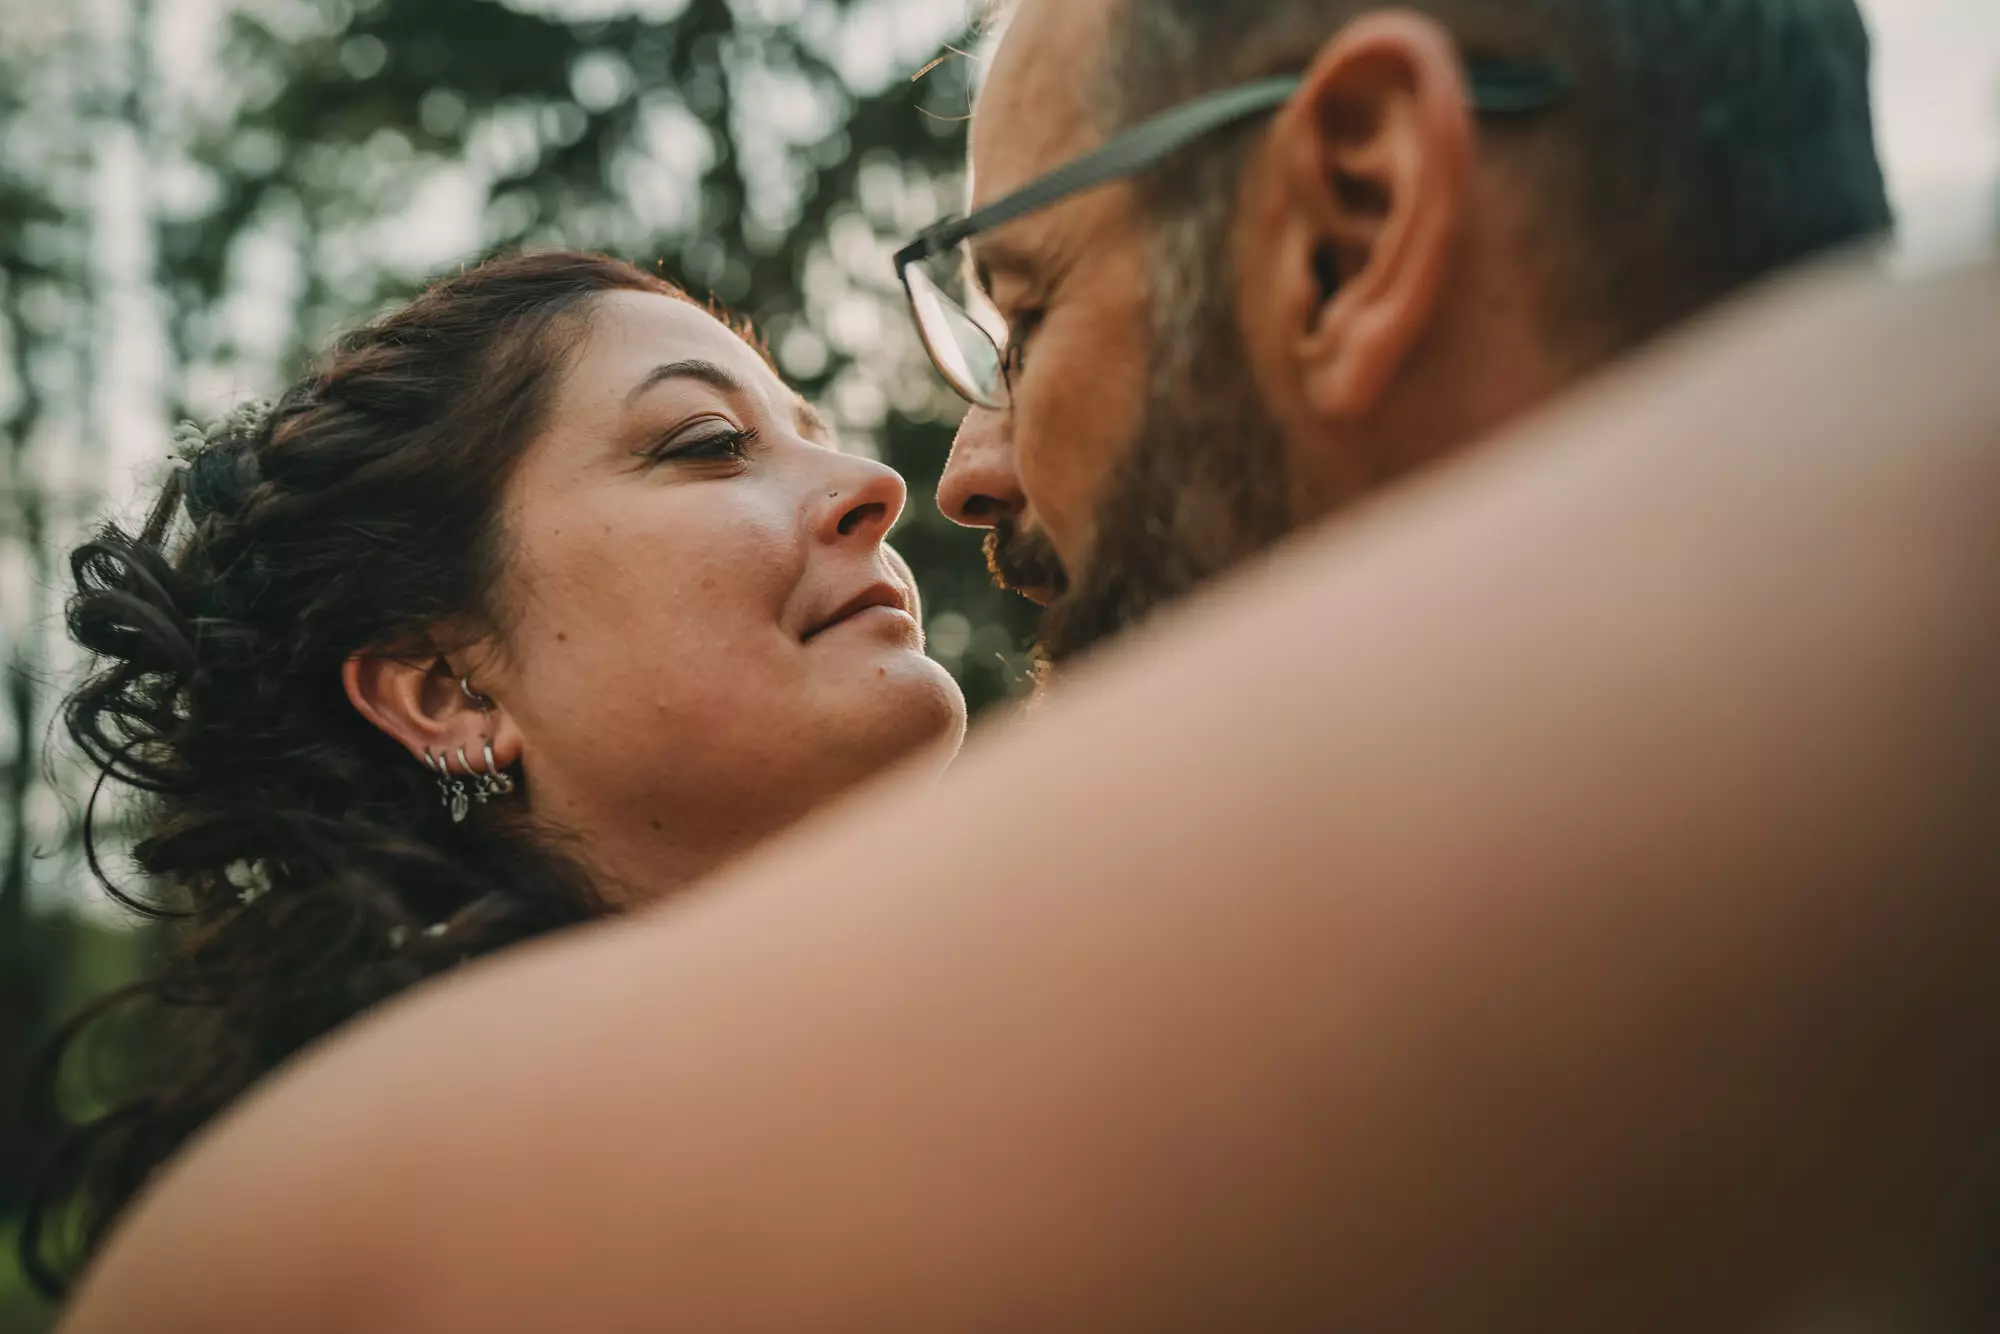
x=1498 y=88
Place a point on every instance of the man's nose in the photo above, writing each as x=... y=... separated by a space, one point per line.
x=980 y=488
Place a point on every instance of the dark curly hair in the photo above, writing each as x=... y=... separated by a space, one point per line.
x=302 y=859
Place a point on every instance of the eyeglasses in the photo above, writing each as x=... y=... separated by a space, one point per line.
x=971 y=356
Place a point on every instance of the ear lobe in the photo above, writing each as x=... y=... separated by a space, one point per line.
x=1380 y=142
x=421 y=706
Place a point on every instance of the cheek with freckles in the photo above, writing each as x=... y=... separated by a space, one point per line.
x=649 y=627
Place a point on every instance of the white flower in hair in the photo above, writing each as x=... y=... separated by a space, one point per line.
x=189 y=440
x=218 y=464
x=248 y=418
x=249 y=877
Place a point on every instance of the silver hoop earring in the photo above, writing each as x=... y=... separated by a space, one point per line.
x=501 y=781
x=484 y=789
x=473 y=697
x=452 y=790
x=489 y=783
x=479 y=792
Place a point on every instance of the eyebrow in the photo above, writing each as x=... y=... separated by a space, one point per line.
x=705 y=371
x=812 y=422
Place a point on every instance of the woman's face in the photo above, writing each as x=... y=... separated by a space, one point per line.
x=705 y=633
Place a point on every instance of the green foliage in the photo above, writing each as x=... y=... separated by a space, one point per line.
x=49 y=967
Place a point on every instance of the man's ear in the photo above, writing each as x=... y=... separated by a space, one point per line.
x=1373 y=161
x=421 y=704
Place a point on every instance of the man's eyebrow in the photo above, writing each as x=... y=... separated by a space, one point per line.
x=705 y=371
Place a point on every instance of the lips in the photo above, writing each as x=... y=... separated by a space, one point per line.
x=883 y=594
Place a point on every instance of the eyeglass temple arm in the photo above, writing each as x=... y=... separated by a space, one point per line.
x=1126 y=155
x=1496 y=88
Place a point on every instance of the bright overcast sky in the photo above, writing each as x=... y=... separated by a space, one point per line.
x=1937 y=109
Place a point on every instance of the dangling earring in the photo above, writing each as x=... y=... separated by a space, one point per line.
x=491 y=783
x=452 y=790
x=499 y=782
x=479 y=792
x=485 y=786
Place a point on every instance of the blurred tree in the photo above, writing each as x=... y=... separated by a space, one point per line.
x=24 y=552
x=42 y=284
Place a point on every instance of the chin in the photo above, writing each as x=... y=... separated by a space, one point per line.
x=915 y=707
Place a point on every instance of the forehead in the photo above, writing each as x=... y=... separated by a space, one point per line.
x=1035 y=110
x=629 y=333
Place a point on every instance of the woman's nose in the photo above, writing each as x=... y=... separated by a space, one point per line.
x=862 y=502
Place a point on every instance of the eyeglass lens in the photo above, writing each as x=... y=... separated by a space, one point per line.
x=965 y=353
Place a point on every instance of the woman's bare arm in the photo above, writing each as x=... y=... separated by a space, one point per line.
x=1561 y=898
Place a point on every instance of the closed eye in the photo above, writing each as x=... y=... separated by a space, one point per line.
x=704 y=443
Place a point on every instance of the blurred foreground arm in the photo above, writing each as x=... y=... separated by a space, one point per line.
x=1561 y=899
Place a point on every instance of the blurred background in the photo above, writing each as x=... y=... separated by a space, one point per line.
x=195 y=193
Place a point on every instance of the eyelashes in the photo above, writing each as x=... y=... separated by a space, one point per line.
x=710 y=445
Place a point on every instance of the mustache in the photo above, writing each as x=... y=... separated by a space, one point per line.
x=1024 y=561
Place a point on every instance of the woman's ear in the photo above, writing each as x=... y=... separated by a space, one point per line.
x=426 y=707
